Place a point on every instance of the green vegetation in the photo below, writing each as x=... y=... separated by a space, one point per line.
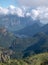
x=39 y=59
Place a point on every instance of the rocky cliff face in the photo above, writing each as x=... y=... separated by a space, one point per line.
x=5 y=55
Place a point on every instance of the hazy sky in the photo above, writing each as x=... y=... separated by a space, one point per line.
x=6 y=3
x=33 y=3
x=30 y=3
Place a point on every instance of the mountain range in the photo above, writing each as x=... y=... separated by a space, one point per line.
x=22 y=33
x=21 y=46
x=23 y=36
x=14 y=22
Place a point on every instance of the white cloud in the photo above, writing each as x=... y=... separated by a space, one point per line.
x=19 y=12
x=11 y=10
x=41 y=13
x=3 y=10
x=28 y=14
x=38 y=13
x=11 y=7
x=35 y=14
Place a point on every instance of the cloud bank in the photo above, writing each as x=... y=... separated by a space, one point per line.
x=11 y=10
x=40 y=13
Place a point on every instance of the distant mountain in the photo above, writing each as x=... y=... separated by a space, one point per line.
x=11 y=22
x=45 y=29
x=30 y=30
x=33 y=29
x=14 y=22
